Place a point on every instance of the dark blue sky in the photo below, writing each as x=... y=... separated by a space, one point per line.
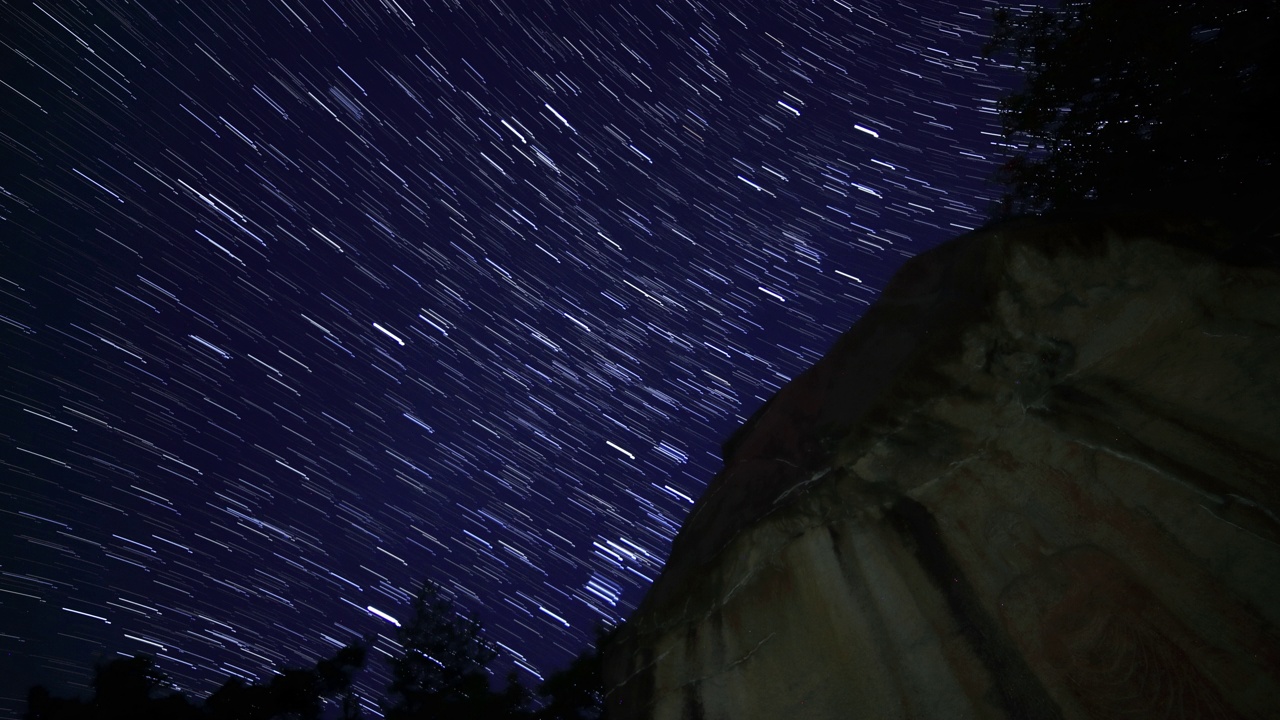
x=304 y=301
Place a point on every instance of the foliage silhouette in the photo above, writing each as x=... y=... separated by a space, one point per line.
x=441 y=670
x=123 y=689
x=577 y=692
x=452 y=685
x=439 y=674
x=1143 y=104
x=294 y=693
x=129 y=689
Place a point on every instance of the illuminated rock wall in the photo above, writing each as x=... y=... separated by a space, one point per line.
x=1039 y=479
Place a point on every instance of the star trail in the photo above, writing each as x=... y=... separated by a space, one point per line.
x=303 y=302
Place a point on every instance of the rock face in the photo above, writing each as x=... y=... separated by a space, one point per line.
x=1039 y=479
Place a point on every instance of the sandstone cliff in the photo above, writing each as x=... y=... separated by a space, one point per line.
x=1039 y=479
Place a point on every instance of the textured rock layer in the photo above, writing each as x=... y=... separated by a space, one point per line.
x=1039 y=479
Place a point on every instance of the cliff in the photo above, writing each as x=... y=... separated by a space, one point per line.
x=1040 y=478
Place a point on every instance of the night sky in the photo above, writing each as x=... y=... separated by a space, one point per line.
x=303 y=301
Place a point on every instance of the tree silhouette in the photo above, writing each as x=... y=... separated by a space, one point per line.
x=130 y=689
x=238 y=700
x=123 y=689
x=1145 y=104
x=441 y=670
x=43 y=706
x=336 y=677
x=577 y=691
x=294 y=693
x=440 y=673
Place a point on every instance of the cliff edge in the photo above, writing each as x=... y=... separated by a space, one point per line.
x=1040 y=478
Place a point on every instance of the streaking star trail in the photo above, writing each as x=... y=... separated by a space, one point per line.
x=305 y=302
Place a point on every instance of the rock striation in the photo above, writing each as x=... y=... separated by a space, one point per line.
x=1040 y=478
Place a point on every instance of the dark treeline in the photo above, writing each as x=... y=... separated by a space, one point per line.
x=1156 y=105
x=439 y=674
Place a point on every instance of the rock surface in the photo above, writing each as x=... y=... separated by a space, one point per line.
x=1039 y=479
